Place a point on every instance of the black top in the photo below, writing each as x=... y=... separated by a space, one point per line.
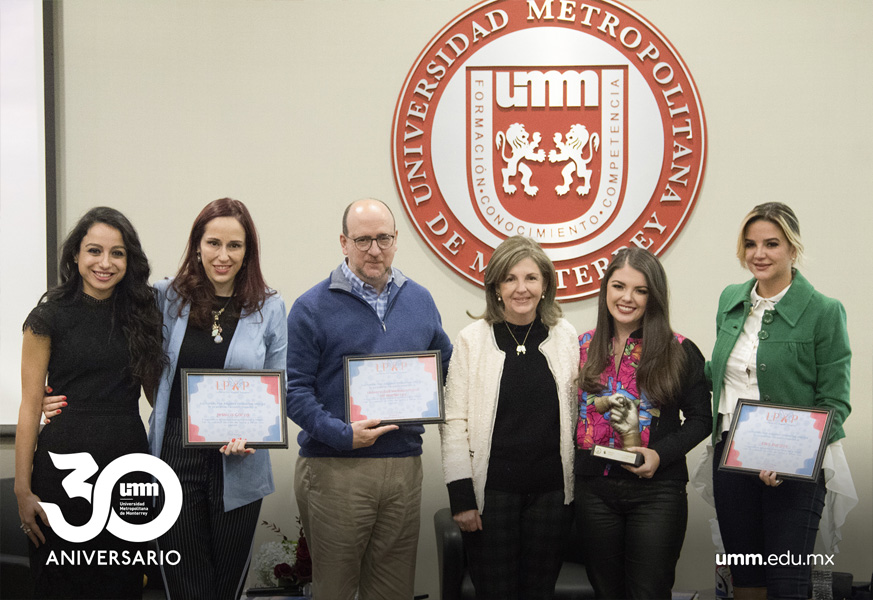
x=90 y=360
x=90 y=364
x=525 y=455
x=199 y=350
x=525 y=443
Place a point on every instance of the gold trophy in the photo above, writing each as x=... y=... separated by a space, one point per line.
x=624 y=418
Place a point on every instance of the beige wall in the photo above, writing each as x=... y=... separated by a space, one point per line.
x=165 y=105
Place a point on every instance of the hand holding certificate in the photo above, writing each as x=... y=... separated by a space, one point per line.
x=788 y=440
x=219 y=405
x=395 y=388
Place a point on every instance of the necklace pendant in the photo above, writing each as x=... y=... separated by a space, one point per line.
x=218 y=339
x=519 y=346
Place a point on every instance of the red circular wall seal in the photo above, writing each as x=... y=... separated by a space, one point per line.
x=574 y=123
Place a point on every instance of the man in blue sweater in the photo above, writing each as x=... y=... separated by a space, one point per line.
x=358 y=486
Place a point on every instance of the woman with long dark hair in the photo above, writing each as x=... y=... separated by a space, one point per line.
x=218 y=314
x=637 y=377
x=97 y=337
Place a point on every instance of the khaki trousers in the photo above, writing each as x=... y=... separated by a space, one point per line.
x=361 y=517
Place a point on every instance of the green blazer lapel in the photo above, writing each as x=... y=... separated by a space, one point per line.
x=740 y=295
x=796 y=300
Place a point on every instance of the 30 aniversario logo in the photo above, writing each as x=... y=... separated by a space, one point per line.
x=99 y=496
x=574 y=123
x=135 y=498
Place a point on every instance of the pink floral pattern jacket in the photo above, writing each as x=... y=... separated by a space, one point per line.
x=661 y=428
x=594 y=428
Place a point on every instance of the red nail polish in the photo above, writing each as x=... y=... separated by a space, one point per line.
x=64 y=404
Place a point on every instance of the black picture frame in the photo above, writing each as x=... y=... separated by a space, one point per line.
x=790 y=440
x=234 y=406
x=399 y=387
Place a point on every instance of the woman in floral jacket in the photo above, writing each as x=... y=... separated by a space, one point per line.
x=637 y=376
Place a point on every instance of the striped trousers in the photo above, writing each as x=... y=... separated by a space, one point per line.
x=215 y=546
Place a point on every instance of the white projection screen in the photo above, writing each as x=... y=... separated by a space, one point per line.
x=24 y=212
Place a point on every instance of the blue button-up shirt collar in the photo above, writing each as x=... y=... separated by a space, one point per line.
x=368 y=293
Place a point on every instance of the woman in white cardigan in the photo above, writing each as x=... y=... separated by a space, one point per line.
x=507 y=442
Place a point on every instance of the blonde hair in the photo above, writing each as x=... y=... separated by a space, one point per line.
x=512 y=251
x=782 y=217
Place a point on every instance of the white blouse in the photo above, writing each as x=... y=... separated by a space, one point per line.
x=741 y=373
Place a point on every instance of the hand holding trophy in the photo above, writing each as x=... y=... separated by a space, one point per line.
x=624 y=418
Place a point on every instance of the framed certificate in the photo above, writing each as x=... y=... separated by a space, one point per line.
x=396 y=388
x=220 y=404
x=786 y=439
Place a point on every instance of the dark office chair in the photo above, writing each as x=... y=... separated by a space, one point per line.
x=455 y=583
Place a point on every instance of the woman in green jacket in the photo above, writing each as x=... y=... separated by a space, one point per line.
x=778 y=341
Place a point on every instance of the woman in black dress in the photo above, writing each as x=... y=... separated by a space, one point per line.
x=96 y=337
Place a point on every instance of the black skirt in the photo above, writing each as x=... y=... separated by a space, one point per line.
x=61 y=568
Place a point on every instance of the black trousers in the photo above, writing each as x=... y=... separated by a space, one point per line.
x=517 y=554
x=781 y=521
x=632 y=533
x=215 y=546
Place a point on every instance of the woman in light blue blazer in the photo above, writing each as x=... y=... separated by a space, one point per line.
x=218 y=314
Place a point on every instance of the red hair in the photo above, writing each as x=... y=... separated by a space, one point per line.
x=191 y=283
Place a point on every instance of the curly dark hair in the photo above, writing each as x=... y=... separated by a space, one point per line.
x=193 y=286
x=134 y=303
